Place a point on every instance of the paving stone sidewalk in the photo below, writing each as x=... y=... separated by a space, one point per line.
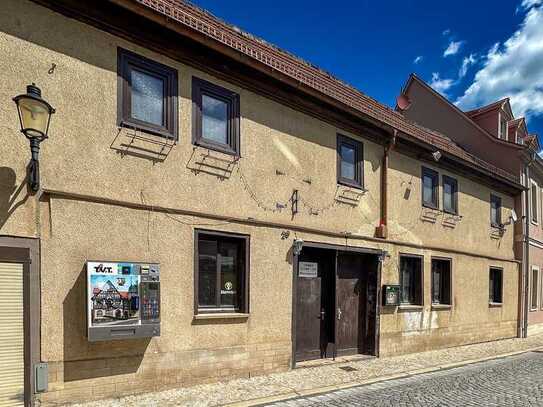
x=322 y=378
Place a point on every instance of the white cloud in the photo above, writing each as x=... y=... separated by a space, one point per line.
x=514 y=69
x=466 y=63
x=527 y=4
x=440 y=84
x=452 y=48
x=418 y=59
x=446 y=32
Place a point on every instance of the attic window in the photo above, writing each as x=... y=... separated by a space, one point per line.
x=503 y=129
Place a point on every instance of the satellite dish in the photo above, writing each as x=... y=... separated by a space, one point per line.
x=403 y=102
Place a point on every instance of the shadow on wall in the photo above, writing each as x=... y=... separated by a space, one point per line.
x=87 y=360
x=10 y=194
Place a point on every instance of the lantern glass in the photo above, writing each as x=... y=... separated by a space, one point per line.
x=34 y=115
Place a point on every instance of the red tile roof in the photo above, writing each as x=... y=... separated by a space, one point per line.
x=304 y=73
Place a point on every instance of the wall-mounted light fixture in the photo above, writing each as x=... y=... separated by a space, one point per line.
x=34 y=117
x=297 y=246
x=436 y=155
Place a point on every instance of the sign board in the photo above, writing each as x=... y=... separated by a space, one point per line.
x=123 y=300
x=391 y=295
x=307 y=269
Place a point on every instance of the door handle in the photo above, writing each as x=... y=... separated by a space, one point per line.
x=322 y=314
x=339 y=314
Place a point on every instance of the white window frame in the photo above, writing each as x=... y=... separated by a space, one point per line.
x=536 y=221
x=536 y=268
x=500 y=135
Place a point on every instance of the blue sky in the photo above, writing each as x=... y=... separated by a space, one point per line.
x=373 y=45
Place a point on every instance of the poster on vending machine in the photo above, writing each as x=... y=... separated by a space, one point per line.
x=113 y=294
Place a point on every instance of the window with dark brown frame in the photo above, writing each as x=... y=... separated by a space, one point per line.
x=221 y=272
x=450 y=195
x=441 y=281
x=411 y=279
x=430 y=185
x=495 y=285
x=534 y=198
x=350 y=162
x=495 y=210
x=147 y=95
x=215 y=116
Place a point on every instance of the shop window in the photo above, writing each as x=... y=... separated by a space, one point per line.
x=430 y=181
x=534 y=288
x=495 y=211
x=215 y=117
x=441 y=281
x=350 y=162
x=450 y=195
x=147 y=95
x=411 y=279
x=495 y=285
x=221 y=272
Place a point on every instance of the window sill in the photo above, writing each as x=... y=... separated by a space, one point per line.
x=431 y=206
x=155 y=131
x=219 y=315
x=439 y=307
x=220 y=148
x=533 y=309
x=495 y=304
x=410 y=307
x=350 y=184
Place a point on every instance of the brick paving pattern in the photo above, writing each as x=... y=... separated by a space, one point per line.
x=512 y=381
x=297 y=381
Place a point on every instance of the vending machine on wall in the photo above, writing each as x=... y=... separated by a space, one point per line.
x=123 y=300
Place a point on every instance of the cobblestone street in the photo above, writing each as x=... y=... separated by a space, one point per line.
x=512 y=381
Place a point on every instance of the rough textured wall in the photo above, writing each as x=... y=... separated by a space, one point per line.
x=470 y=319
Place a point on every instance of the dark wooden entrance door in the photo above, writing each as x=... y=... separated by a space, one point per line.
x=314 y=304
x=351 y=287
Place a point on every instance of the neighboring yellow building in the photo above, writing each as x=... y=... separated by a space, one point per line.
x=259 y=192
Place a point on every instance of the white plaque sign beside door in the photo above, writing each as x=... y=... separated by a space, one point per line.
x=307 y=269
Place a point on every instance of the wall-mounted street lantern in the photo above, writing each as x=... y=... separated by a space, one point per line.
x=34 y=116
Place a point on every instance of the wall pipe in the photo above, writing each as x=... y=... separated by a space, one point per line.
x=381 y=230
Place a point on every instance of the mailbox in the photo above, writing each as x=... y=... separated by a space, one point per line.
x=123 y=300
x=391 y=295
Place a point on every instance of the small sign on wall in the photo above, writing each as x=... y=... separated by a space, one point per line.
x=391 y=295
x=307 y=269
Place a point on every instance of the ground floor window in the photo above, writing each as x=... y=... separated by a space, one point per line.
x=222 y=268
x=534 y=288
x=441 y=281
x=495 y=285
x=411 y=279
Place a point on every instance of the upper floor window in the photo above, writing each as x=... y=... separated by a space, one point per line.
x=411 y=279
x=222 y=266
x=450 y=195
x=495 y=285
x=503 y=128
x=430 y=182
x=147 y=95
x=350 y=162
x=215 y=115
x=534 y=202
x=495 y=210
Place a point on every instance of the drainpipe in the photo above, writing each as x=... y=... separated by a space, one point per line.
x=526 y=248
x=381 y=230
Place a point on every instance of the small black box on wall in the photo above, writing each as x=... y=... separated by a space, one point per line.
x=391 y=294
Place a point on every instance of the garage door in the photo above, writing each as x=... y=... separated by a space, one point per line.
x=11 y=335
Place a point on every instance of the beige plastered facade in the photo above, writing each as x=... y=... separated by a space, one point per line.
x=86 y=160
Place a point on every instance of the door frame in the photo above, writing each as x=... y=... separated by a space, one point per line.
x=336 y=247
x=27 y=251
